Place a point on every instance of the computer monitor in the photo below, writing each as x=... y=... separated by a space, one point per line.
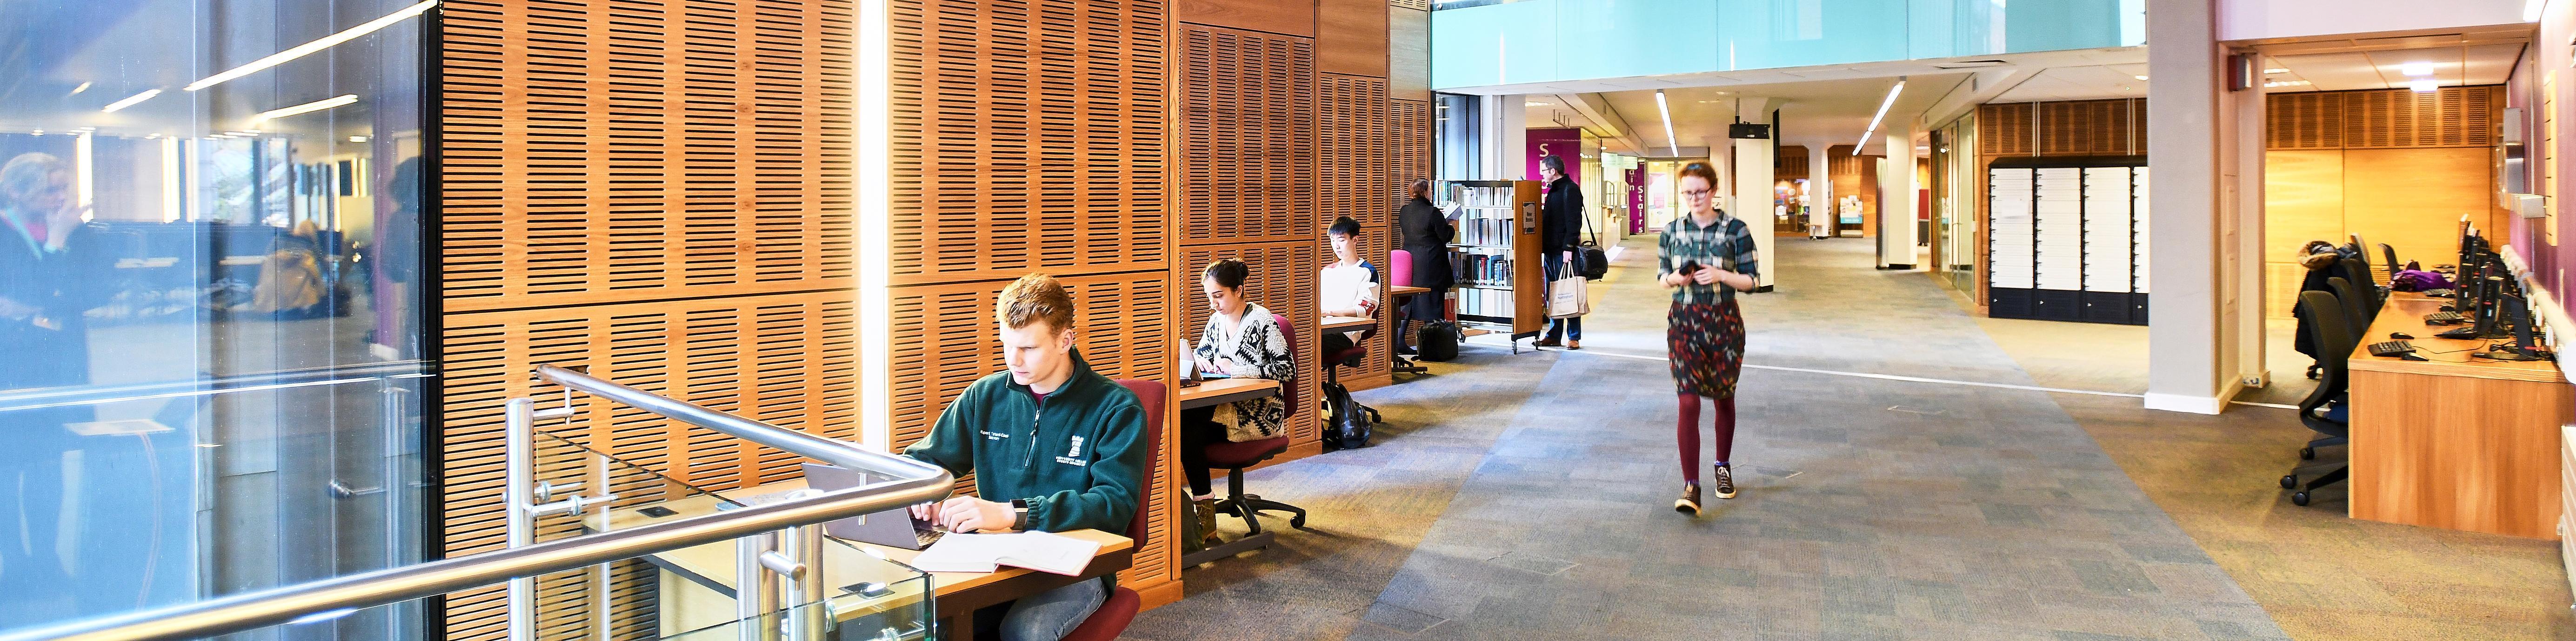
x=2517 y=312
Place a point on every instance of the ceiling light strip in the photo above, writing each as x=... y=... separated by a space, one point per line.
x=1881 y=115
x=1672 y=144
x=308 y=48
x=130 y=101
x=317 y=105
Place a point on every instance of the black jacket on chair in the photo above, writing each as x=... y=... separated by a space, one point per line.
x=1426 y=235
x=1561 y=216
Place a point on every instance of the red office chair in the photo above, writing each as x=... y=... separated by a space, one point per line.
x=1114 y=614
x=1399 y=273
x=1234 y=457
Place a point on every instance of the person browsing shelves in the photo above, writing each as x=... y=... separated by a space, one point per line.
x=1349 y=284
x=1054 y=441
x=1241 y=340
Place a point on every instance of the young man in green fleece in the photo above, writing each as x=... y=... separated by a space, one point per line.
x=1058 y=444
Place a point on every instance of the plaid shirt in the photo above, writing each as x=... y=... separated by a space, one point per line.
x=1727 y=245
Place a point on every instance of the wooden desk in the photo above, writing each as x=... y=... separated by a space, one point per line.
x=1226 y=390
x=2456 y=442
x=1347 y=323
x=1400 y=291
x=706 y=597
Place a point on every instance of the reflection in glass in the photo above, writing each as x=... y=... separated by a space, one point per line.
x=210 y=327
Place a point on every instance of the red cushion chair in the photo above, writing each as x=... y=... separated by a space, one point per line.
x=1114 y=614
x=1234 y=457
x=1399 y=273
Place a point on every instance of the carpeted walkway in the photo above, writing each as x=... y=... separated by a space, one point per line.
x=1527 y=497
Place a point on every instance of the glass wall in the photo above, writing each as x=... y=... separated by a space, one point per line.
x=1456 y=149
x=1559 y=40
x=211 y=367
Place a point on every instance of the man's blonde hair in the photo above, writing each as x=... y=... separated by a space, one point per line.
x=1034 y=298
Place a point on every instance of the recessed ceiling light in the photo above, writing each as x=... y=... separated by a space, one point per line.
x=357 y=139
x=2276 y=70
x=2285 y=83
x=1535 y=103
x=2139 y=77
x=2424 y=85
x=2416 y=68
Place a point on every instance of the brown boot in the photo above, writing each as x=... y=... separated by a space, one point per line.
x=1689 y=503
x=1206 y=509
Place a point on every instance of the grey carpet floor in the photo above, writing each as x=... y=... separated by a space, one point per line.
x=1528 y=497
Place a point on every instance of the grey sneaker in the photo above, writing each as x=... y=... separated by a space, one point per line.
x=1689 y=502
x=1725 y=483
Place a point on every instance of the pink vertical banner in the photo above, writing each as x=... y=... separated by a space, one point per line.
x=1565 y=142
x=1636 y=199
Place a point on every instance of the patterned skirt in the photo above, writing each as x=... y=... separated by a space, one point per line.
x=1707 y=345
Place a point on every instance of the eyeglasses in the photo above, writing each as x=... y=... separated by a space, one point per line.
x=1698 y=193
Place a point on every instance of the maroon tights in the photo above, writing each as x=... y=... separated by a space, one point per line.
x=1687 y=433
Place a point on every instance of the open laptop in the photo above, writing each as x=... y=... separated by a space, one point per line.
x=891 y=528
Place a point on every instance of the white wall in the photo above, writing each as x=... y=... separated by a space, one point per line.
x=2252 y=19
x=2190 y=341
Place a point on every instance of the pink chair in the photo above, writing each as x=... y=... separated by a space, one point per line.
x=1399 y=273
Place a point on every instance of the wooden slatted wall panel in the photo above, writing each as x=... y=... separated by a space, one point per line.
x=582 y=165
x=1028 y=140
x=1283 y=279
x=1032 y=141
x=1418 y=5
x=1790 y=163
x=658 y=192
x=1356 y=145
x=2004 y=129
x=1408 y=152
x=1247 y=128
x=2382 y=118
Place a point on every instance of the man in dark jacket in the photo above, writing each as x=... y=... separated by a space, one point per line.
x=1425 y=235
x=1058 y=443
x=1560 y=226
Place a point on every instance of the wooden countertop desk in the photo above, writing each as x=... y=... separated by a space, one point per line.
x=710 y=570
x=1399 y=291
x=1224 y=390
x=1332 y=323
x=2456 y=442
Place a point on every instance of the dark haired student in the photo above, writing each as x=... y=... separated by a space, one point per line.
x=1349 y=285
x=1075 y=466
x=1706 y=257
x=1241 y=340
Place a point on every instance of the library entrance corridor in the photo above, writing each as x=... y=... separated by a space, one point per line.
x=1903 y=477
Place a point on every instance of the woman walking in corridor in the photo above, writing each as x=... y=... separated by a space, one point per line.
x=1706 y=257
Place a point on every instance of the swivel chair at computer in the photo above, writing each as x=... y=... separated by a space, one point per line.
x=1234 y=457
x=2348 y=297
x=2324 y=410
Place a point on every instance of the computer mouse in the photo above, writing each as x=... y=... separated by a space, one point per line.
x=2403 y=336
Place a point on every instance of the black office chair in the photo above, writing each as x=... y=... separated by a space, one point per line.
x=2323 y=410
x=2393 y=265
x=2356 y=318
x=2366 y=284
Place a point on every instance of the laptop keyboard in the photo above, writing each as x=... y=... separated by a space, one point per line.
x=926 y=536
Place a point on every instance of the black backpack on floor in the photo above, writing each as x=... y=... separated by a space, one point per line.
x=1436 y=341
x=1347 y=423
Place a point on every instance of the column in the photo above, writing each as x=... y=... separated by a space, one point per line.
x=2186 y=336
x=1753 y=185
x=1896 y=186
x=1820 y=186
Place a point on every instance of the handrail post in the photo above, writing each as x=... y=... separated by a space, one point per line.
x=519 y=441
x=812 y=619
x=755 y=596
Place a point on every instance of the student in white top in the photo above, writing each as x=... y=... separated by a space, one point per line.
x=1349 y=285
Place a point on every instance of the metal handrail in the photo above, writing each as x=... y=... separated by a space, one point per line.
x=43 y=397
x=914 y=482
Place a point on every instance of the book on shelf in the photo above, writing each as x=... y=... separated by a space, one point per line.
x=1482 y=269
x=1486 y=302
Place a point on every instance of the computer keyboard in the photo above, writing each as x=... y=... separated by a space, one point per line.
x=2391 y=348
x=2445 y=318
x=926 y=535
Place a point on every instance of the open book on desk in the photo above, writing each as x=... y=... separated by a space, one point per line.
x=1041 y=551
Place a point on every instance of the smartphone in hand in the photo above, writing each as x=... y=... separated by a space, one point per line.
x=1687 y=268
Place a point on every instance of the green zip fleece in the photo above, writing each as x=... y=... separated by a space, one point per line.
x=1075 y=456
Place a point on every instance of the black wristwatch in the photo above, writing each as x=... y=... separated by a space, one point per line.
x=1019 y=514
